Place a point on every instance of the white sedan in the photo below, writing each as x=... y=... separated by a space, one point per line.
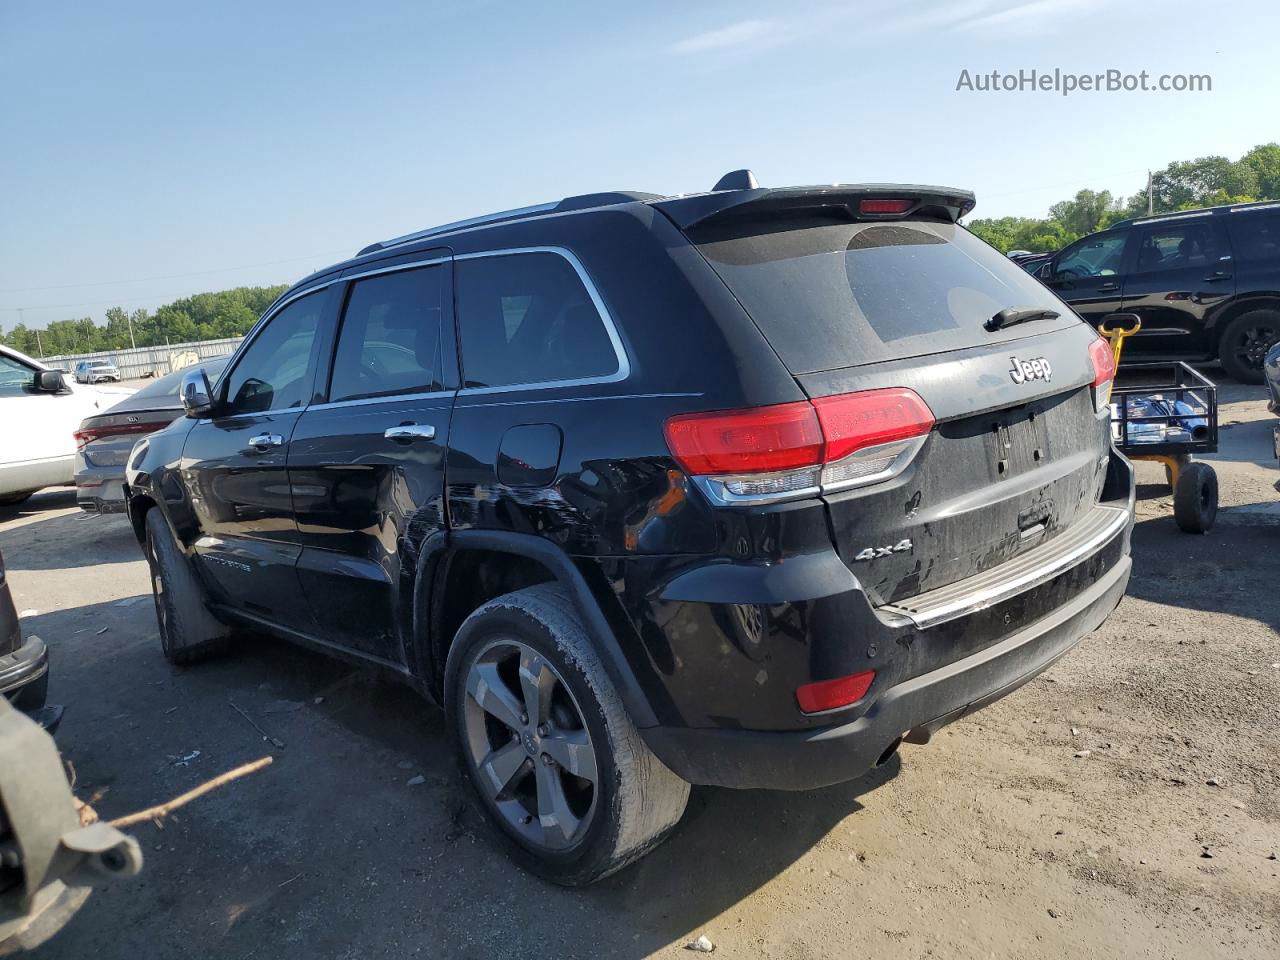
x=39 y=413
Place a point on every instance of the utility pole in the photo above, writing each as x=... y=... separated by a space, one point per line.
x=1150 y=205
x=133 y=343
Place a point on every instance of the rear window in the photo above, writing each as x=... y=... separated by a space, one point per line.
x=838 y=295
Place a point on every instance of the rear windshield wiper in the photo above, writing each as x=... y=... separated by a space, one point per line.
x=1011 y=316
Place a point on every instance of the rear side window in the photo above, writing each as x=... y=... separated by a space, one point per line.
x=1255 y=236
x=390 y=338
x=526 y=318
x=837 y=295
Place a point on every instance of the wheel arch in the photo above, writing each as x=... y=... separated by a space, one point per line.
x=448 y=588
x=1238 y=306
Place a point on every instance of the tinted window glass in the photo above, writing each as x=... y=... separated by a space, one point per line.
x=275 y=371
x=1092 y=257
x=16 y=378
x=527 y=318
x=1176 y=246
x=837 y=295
x=1255 y=236
x=390 y=339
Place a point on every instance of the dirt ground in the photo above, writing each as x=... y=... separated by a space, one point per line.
x=999 y=839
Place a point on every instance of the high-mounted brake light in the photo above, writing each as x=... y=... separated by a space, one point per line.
x=1104 y=372
x=882 y=206
x=833 y=694
x=798 y=449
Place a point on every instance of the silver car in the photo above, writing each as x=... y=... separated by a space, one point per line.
x=96 y=371
x=104 y=440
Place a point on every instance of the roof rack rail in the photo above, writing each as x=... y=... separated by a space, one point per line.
x=583 y=202
x=1196 y=212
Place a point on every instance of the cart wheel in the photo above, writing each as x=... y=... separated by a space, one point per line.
x=1195 y=501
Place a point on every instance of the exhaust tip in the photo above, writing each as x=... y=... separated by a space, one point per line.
x=889 y=751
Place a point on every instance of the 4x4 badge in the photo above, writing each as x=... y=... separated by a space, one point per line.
x=872 y=553
x=1024 y=370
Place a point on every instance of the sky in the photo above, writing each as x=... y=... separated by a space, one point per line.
x=149 y=151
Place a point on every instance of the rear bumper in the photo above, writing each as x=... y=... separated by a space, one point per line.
x=807 y=759
x=21 y=669
x=100 y=489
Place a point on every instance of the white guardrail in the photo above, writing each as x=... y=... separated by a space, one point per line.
x=140 y=362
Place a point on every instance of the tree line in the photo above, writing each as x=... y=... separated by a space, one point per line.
x=204 y=316
x=1182 y=185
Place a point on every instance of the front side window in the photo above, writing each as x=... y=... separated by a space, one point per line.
x=1176 y=246
x=527 y=318
x=1092 y=257
x=16 y=379
x=390 y=338
x=275 y=371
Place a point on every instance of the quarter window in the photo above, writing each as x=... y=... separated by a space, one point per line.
x=527 y=318
x=390 y=339
x=275 y=371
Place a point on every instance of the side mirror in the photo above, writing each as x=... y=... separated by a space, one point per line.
x=197 y=395
x=50 y=381
x=1045 y=271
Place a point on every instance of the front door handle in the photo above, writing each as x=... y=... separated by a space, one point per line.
x=1108 y=286
x=266 y=441
x=409 y=432
x=1217 y=277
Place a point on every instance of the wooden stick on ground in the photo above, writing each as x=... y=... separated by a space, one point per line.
x=163 y=809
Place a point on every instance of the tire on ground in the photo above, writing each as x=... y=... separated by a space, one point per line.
x=188 y=631
x=1195 y=499
x=638 y=800
x=1233 y=338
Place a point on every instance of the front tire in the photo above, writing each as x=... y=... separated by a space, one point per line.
x=559 y=770
x=188 y=631
x=1245 y=343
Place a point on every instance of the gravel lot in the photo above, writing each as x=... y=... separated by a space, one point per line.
x=999 y=839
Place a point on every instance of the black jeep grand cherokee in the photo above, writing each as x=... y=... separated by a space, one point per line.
x=740 y=488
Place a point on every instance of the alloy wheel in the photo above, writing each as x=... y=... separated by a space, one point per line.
x=1255 y=343
x=528 y=746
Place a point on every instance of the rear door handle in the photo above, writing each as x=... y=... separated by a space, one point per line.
x=266 y=441
x=1109 y=286
x=409 y=432
x=1217 y=277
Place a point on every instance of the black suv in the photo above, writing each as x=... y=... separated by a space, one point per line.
x=1205 y=283
x=739 y=488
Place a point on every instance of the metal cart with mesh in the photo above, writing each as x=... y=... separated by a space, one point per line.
x=1168 y=412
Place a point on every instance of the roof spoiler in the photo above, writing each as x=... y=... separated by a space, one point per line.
x=843 y=200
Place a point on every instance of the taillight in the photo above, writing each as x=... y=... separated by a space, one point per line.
x=881 y=206
x=86 y=435
x=798 y=449
x=833 y=694
x=1104 y=372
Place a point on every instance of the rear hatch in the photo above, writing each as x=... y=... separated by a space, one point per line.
x=1018 y=453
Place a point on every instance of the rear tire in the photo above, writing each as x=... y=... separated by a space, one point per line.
x=1195 y=500
x=188 y=631
x=558 y=768
x=1245 y=343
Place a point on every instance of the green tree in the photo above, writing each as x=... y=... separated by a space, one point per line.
x=1264 y=161
x=1085 y=213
